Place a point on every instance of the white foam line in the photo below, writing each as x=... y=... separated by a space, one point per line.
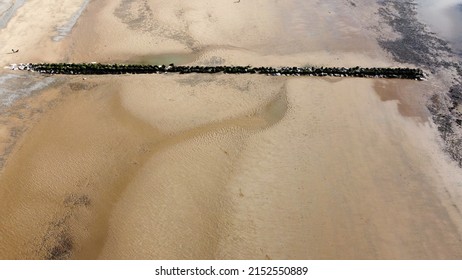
x=8 y=14
x=13 y=87
x=65 y=29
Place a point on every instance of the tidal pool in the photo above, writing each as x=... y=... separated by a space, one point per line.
x=166 y=58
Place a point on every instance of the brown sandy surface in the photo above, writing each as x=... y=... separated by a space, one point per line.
x=230 y=167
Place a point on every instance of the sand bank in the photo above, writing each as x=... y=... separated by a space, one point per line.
x=232 y=167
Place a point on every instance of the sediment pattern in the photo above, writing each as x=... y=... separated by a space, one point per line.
x=117 y=69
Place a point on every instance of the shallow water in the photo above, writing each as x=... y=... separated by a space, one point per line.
x=8 y=9
x=65 y=29
x=444 y=18
x=167 y=58
x=15 y=86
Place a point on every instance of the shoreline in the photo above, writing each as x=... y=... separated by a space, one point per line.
x=434 y=54
x=10 y=12
x=65 y=29
x=23 y=90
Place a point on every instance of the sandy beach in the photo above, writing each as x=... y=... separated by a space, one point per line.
x=219 y=166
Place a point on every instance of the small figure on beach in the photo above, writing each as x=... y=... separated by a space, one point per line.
x=15 y=51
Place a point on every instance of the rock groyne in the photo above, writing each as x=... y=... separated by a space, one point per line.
x=118 y=69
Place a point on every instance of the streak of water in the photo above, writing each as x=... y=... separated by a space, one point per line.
x=65 y=29
x=13 y=87
x=8 y=9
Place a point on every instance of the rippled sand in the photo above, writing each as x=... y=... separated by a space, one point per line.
x=230 y=166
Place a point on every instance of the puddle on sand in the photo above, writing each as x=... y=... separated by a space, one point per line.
x=166 y=58
x=408 y=105
x=444 y=18
x=275 y=110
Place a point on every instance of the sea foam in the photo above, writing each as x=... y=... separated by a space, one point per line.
x=65 y=29
x=14 y=86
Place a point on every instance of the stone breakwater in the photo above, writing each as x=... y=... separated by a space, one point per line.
x=117 y=69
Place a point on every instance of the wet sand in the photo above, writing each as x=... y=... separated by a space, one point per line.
x=225 y=166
